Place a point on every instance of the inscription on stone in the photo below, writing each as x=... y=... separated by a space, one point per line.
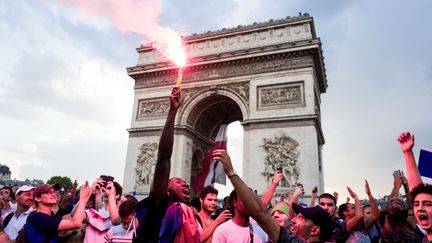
x=280 y=96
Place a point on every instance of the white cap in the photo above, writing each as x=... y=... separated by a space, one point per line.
x=24 y=188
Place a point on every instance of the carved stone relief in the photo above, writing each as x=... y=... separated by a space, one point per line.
x=152 y=107
x=242 y=89
x=232 y=69
x=280 y=96
x=281 y=152
x=145 y=164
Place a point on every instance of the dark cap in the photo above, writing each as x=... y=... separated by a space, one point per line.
x=319 y=217
x=57 y=187
x=43 y=188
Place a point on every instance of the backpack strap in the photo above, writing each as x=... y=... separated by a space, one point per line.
x=7 y=219
x=199 y=219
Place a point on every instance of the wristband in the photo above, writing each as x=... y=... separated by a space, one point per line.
x=233 y=173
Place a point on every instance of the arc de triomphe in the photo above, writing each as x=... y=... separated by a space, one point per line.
x=269 y=75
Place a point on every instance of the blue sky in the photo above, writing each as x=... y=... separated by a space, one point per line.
x=66 y=99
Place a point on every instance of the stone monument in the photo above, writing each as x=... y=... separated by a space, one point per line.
x=270 y=76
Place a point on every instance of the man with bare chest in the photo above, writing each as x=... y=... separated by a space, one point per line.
x=208 y=198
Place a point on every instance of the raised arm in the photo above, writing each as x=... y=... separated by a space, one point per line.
x=295 y=198
x=397 y=184
x=267 y=196
x=411 y=218
x=406 y=141
x=354 y=221
x=77 y=219
x=97 y=190
x=313 y=196
x=375 y=213
x=224 y=216
x=74 y=189
x=112 y=203
x=248 y=197
x=163 y=164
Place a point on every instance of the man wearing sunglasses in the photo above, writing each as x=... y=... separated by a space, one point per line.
x=42 y=226
x=123 y=232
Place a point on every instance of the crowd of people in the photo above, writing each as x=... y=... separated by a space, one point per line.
x=99 y=213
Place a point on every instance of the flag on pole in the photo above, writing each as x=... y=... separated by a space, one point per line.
x=425 y=165
x=213 y=171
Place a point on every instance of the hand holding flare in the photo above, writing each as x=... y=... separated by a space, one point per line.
x=179 y=77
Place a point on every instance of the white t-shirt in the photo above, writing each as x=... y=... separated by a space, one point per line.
x=229 y=232
x=16 y=223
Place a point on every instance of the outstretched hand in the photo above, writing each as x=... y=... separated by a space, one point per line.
x=85 y=192
x=223 y=216
x=367 y=188
x=336 y=195
x=314 y=191
x=406 y=141
x=352 y=193
x=175 y=98
x=110 y=189
x=398 y=178
x=224 y=158
x=277 y=177
x=298 y=191
x=97 y=185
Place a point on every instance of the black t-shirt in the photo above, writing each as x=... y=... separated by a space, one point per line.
x=286 y=236
x=150 y=216
x=401 y=235
x=339 y=234
x=42 y=228
x=61 y=212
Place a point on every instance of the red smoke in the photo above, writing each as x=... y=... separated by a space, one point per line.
x=140 y=17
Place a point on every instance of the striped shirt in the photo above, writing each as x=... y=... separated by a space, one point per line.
x=118 y=234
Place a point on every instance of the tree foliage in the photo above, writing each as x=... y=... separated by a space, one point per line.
x=64 y=181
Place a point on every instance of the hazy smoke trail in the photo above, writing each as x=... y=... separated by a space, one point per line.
x=137 y=16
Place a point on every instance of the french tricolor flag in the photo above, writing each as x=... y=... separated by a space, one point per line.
x=213 y=171
x=425 y=165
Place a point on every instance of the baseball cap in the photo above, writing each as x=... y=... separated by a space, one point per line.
x=281 y=207
x=24 y=188
x=43 y=188
x=319 y=217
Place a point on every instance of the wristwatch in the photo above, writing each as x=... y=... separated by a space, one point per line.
x=231 y=174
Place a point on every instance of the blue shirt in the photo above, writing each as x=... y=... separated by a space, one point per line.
x=42 y=228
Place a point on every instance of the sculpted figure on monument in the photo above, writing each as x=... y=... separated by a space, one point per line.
x=152 y=108
x=281 y=152
x=145 y=164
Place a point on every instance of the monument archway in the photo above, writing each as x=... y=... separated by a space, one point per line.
x=270 y=76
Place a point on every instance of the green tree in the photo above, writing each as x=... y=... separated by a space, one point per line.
x=64 y=181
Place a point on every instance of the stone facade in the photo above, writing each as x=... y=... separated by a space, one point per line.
x=270 y=77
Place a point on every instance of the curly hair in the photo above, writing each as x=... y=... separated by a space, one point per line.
x=420 y=189
x=208 y=190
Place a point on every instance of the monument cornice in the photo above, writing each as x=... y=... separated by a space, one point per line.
x=240 y=28
x=228 y=56
x=230 y=41
x=234 y=68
